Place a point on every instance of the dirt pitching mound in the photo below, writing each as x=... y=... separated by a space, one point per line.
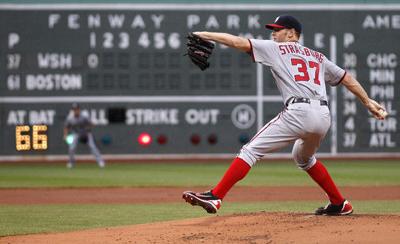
x=241 y=228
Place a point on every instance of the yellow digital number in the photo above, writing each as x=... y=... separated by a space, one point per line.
x=39 y=139
x=22 y=138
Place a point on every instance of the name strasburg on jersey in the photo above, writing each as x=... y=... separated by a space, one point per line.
x=290 y=48
x=298 y=71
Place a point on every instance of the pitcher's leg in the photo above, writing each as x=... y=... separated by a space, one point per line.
x=272 y=137
x=304 y=155
x=320 y=174
x=275 y=135
x=236 y=172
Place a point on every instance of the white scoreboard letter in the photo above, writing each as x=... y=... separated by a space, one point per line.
x=13 y=39
x=53 y=20
x=192 y=20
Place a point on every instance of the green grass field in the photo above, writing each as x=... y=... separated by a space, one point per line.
x=353 y=173
x=24 y=219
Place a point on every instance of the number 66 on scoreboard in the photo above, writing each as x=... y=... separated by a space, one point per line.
x=23 y=137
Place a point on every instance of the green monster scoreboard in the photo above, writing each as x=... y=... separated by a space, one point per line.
x=125 y=65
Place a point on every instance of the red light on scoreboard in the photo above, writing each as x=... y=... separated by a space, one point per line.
x=195 y=139
x=144 y=139
x=162 y=139
x=212 y=139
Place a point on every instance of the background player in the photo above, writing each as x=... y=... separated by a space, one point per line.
x=300 y=74
x=78 y=126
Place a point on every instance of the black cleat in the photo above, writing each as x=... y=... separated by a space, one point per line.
x=343 y=209
x=205 y=200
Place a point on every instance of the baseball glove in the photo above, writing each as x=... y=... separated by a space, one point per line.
x=83 y=138
x=199 y=50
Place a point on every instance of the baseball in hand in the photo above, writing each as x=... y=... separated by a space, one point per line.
x=383 y=113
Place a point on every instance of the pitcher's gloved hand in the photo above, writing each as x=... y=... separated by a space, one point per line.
x=199 y=50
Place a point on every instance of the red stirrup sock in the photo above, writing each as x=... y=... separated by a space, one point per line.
x=320 y=175
x=237 y=171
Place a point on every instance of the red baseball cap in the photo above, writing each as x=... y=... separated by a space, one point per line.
x=285 y=22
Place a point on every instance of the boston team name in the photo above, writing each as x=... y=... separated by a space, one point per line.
x=289 y=48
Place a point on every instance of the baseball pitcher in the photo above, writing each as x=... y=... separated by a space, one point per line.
x=301 y=75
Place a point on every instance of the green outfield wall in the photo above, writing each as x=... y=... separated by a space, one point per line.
x=124 y=64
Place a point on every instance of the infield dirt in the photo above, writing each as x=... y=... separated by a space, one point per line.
x=262 y=227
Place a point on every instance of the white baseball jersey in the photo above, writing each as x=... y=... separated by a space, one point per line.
x=298 y=70
x=80 y=125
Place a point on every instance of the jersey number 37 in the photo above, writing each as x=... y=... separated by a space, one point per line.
x=304 y=69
